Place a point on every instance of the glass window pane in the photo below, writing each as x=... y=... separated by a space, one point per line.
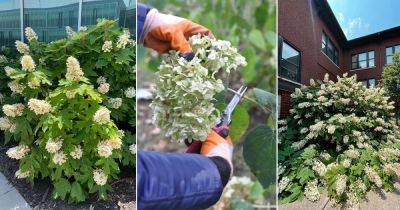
x=389 y=51
x=397 y=48
x=371 y=63
x=353 y=65
x=354 y=58
x=371 y=82
x=9 y=22
x=371 y=54
x=49 y=18
x=363 y=64
x=365 y=82
x=362 y=56
x=289 y=65
x=389 y=59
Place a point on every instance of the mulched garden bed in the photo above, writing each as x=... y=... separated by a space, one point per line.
x=39 y=195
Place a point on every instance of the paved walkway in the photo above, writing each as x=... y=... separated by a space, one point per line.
x=374 y=201
x=10 y=199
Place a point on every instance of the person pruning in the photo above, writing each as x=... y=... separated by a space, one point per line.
x=180 y=181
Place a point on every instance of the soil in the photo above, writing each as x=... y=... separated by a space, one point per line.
x=38 y=196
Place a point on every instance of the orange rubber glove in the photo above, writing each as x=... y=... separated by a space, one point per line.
x=215 y=145
x=163 y=32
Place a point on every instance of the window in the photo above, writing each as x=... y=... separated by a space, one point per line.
x=390 y=51
x=329 y=49
x=289 y=61
x=363 y=60
x=368 y=82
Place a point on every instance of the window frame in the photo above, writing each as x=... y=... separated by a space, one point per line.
x=368 y=81
x=367 y=60
x=393 y=51
x=334 y=57
x=281 y=40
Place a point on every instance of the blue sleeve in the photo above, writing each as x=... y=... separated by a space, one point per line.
x=141 y=18
x=177 y=181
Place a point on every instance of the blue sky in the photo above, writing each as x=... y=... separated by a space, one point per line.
x=362 y=17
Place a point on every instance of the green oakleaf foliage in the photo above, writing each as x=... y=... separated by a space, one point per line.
x=72 y=110
x=259 y=149
x=391 y=77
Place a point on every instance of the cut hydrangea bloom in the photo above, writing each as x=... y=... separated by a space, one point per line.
x=22 y=47
x=103 y=88
x=184 y=96
x=54 y=145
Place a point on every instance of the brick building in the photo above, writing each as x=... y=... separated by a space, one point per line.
x=312 y=43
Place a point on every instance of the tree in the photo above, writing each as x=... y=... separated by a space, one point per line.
x=391 y=77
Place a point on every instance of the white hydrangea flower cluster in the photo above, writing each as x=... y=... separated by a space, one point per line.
x=27 y=63
x=102 y=116
x=99 y=177
x=106 y=147
x=104 y=87
x=74 y=71
x=77 y=152
x=7 y=125
x=107 y=46
x=21 y=175
x=14 y=110
x=311 y=191
x=54 y=145
x=30 y=34
x=18 y=152
x=283 y=183
x=22 y=47
x=59 y=158
x=115 y=103
x=132 y=149
x=70 y=32
x=357 y=122
x=9 y=71
x=130 y=92
x=184 y=93
x=39 y=107
x=124 y=39
x=15 y=87
x=3 y=59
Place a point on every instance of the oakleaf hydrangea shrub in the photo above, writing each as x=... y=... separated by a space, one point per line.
x=185 y=90
x=340 y=138
x=62 y=116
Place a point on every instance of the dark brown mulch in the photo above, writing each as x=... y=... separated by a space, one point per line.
x=39 y=195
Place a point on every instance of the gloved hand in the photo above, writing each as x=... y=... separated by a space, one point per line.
x=163 y=32
x=215 y=145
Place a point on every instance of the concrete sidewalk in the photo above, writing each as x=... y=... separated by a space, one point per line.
x=10 y=199
x=374 y=201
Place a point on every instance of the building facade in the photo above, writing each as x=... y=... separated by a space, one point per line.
x=312 y=44
x=50 y=17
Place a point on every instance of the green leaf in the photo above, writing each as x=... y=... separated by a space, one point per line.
x=266 y=99
x=259 y=152
x=240 y=123
x=241 y=204
x=61 y=188
x=249 y=71
x=257 y=39
x=77 y=193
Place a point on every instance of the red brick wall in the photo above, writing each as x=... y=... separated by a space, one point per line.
x=284 y=103
x=380 y=58
x=300 y=25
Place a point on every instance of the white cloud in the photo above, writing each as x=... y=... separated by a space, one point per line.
x=350 y=26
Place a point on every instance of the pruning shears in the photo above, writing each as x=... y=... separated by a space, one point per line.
x=222 y=127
